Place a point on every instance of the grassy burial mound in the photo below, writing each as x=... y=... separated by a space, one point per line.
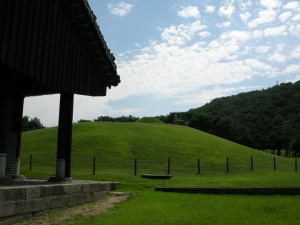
x=149 y=120
x=116 y=145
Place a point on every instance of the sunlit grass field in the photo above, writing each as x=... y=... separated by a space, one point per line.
x=116 y=145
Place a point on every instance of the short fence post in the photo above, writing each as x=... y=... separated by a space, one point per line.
x=227 y=165
x=169 y=166
x=296 y=166
x=135 y=166
x=30 y=163
x=274 y=163
x=94 y=165
x=198 y=166
x=251 y=163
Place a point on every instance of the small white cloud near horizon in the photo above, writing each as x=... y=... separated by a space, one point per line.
x=179 y=35
x=226 y=11
x=189 y=12
x=245 y=16
x=120 y=9
x=271 y=4
x=209 y=9
x=264 y=16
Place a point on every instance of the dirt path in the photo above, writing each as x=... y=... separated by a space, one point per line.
x=67 y=215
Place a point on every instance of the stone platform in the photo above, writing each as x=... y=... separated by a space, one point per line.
x=25 y=198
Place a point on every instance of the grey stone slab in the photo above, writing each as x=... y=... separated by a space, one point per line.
x=7 y=209
x=14 y=208
x=12 y=194
x=14 y=219
x=87 y=188
x=38 y=205
x=46 y=191
x=59 y=201
x=91 y=187
x=94 y=196
x=33 y=192
x=76 y=199
x=73 y=188
x=57 y=190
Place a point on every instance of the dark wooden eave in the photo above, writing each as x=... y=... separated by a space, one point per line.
x=57 y=46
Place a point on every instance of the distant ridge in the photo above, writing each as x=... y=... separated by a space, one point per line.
x=266 y=119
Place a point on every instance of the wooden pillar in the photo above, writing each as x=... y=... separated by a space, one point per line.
x=18 y=130
x=4 y=123
x=64 y=141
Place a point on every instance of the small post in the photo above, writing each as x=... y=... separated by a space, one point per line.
x=296 y=166
x=274 y=163
x=30 y=163
x=135 y=166
x=198 y=166
x=169 y=166
x=227 y=165
x=251 y=163
x=94 y=165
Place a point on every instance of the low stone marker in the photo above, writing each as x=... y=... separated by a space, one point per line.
x=156 y=176
x=235 y=191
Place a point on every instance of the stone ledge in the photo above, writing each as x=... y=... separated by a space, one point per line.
x=234 y=191
x=32 y=199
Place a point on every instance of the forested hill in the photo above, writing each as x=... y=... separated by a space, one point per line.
x=266 y=119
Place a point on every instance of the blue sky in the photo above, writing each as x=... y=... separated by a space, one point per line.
x=173 y=55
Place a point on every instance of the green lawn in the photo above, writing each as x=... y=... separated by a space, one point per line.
x=171 y=208
x=115 y=146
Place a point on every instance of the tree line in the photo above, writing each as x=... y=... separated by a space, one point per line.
x=31 y=124
x=265 y=119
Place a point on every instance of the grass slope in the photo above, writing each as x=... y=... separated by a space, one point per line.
x=115 y=145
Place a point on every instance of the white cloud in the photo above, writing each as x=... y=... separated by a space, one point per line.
x=120 y=9
x=275 y=31
x=204 y=34
x=178 y=35
x=271 y=3
x=292 y=69
x=209 y=9
x=296 y=17
x=236 y=36
x=277 y=57
x=295 y=29
x=245 y=4
x=285 y=16
x=260 y=68
x=294 y=5
x=245 y=16
x=189 y=11
x=226 y=10
x=295 y=53
x=263 y=49
x=264 y=16
x=224 y=24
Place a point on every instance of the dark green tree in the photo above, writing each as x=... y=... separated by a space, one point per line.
x=31 y=124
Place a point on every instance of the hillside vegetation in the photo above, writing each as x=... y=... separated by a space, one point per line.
x=266 y=119
x=116 y=145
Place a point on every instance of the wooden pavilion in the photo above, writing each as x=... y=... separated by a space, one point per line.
x=48 y=47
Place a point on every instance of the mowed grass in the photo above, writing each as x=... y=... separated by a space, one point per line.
x=195 y=209
x=115 y=146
